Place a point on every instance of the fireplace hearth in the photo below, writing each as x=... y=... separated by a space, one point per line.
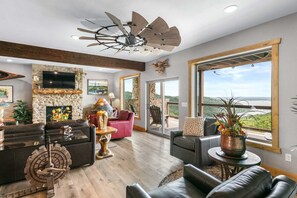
x=58 y=113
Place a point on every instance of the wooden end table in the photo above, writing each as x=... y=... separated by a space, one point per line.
x=104 y=137
x=229 y=166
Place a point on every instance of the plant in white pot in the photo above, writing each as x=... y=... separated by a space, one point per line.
x=232 y=135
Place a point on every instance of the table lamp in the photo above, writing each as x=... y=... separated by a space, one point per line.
x=111 y=96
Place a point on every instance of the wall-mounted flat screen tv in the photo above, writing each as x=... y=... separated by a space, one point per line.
x=60 y=80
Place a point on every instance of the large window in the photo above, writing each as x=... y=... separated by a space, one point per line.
x=249 y=74
x=251 y=85
x=130 y=92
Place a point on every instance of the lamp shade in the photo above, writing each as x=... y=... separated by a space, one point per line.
x=111 y=95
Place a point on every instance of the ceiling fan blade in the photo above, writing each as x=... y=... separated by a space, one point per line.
x=87 y=31
x=138 y=23
x=117 y=22
x=168 y=48
x=86 y=38
x=171 y=37
x=156 y=27
x=93 y=44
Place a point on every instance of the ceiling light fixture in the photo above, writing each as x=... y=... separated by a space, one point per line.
x=8 y=60
x=142 y=37
x=230 y=9
x=74 y=37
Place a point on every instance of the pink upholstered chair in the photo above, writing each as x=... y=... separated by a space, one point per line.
x=124 y=123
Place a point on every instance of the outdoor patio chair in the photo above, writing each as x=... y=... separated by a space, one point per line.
x=157 y=115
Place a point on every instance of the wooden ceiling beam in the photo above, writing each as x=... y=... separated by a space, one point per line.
x=47 y=54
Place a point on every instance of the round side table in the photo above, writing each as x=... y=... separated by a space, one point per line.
x=104 y=137
x=231 y=166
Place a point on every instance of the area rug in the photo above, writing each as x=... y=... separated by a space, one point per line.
x=214 y=170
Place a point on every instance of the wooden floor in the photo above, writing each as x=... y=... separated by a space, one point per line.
x=143 y=158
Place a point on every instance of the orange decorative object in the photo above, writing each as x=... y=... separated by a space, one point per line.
x=102 y=119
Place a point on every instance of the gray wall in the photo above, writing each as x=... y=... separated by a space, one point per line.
x=90 y=100
x=285 y=28
x=22 y=87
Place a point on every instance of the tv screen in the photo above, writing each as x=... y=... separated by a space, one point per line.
x=61 y=80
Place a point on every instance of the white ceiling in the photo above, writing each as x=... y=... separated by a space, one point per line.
x=51 y=23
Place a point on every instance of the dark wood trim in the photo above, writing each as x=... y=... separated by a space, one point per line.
x=47 y=54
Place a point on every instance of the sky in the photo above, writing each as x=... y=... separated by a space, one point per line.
x=242 y=81
x=170 y=88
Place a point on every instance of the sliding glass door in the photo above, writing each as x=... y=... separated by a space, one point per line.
x=163 y=108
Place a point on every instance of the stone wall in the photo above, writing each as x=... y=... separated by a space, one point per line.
x=40 y=101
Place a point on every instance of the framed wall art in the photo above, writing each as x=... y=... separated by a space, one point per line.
x=6 y=93
x=97 y=87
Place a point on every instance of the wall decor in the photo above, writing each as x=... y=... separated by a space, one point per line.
x=97 y=87
x=6 y=93
x=160 y=66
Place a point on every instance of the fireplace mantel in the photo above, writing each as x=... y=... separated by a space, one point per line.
x=56 y=91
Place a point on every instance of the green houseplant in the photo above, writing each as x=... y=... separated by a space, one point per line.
x=22 y=113
x=232 y=136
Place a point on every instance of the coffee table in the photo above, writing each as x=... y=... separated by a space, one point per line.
x=104 y=137
x=232 y=166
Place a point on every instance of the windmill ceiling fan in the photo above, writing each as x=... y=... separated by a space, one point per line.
x=143 y=37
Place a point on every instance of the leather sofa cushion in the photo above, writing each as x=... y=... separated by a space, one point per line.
x=72 y=123
x=23 y=130
x=186 y=142
x=209 y=127
x=252 y=182
x=124 y=115
x=180 y=188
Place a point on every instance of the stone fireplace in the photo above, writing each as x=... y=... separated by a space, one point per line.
x=58 y=113
x=43 y=98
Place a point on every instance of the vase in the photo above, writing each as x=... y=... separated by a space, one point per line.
x=102 y=119
x=233 y=146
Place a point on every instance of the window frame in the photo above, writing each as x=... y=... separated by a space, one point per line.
x=122 y=78
x=193 y=88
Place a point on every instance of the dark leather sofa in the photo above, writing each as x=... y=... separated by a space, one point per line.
x=254 y=182
x=21 y=140
x=192 y=149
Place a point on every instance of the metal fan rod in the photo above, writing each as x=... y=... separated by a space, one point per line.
x=85 y=30
x=104 y=35
x=86 y=38
x=106 y=39
x=93 y=44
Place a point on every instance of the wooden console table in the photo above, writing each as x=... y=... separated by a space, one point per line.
x=104 y=137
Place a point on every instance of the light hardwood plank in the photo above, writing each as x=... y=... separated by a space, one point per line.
x=143 y=158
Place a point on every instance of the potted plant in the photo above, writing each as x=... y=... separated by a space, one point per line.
x=21 y=112
x=232 y=136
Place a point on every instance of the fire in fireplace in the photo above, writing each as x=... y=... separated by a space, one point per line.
x=58 y=113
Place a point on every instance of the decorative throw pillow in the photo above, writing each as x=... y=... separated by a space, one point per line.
x=194 y=126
